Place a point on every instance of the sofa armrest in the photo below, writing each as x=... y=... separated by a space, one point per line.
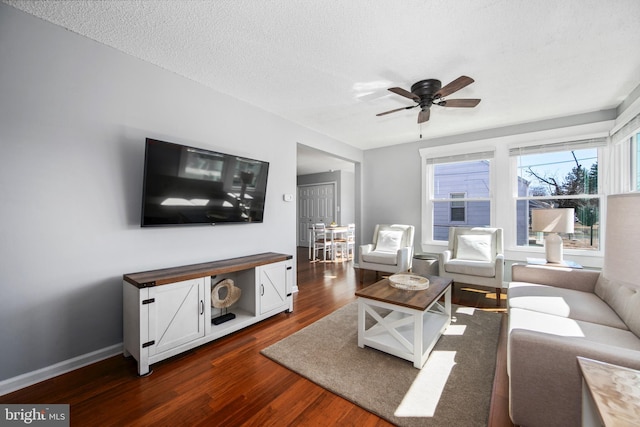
x=579 y=280
x=545 y=383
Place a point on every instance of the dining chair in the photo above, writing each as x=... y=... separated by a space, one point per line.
x=344 y=245
x=321 y=240
x=351 y=240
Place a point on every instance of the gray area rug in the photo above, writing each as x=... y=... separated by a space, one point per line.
x=453 y=388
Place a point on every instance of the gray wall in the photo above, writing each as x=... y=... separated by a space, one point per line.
x=73 y=118
x=345 y=199
x=391 y=189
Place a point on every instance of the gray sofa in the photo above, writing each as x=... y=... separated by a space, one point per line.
x=555 y=315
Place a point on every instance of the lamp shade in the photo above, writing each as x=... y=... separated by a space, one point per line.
x=553 y=220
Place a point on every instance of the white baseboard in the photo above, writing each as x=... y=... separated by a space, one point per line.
x=21 y=381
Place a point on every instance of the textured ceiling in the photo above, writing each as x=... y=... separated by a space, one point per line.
x=326 y=64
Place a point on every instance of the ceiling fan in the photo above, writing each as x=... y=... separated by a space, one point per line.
x=430 y=92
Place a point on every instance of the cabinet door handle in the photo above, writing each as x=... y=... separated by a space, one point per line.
x=261 y=290
x=201 y=307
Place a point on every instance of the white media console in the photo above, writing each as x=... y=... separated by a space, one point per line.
x=169 y=311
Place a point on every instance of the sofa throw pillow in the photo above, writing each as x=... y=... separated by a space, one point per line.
x=389 y=240
x=474 y=247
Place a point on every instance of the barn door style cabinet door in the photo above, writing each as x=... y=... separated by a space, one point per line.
x=168 y=311
x=273 y=286
x=176 y=315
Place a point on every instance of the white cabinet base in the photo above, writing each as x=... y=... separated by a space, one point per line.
x=168 y=311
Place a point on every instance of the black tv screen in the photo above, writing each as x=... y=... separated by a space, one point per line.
x=188 y=186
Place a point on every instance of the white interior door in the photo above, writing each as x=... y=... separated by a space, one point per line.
x=316 y=203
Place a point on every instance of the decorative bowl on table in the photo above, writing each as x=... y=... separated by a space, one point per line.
x=409 y=282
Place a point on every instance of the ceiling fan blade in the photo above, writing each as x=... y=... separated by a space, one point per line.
x=423 y=116
x=464 y=103
x=397 y=109
x=405 y=93
x=454 y=86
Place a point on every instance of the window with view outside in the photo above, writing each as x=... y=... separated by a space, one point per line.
x=561 y=179
x=461 y=196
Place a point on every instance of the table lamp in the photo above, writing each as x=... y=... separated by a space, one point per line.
x=553 y=221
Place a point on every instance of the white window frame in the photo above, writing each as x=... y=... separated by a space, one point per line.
x=450 y=154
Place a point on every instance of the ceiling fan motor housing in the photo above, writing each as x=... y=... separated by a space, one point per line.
x=426 y=93
x=426 y=89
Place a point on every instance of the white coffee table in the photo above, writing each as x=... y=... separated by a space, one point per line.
x=414 y=323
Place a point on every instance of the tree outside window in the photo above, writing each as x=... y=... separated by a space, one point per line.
x=562 y=179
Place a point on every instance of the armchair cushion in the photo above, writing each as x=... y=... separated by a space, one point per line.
x=471 y=268
x=474 y=247
x=381 y=257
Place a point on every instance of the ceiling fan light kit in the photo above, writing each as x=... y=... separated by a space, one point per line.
x=426 y=93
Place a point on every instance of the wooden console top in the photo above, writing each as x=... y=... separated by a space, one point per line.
x=176 y=274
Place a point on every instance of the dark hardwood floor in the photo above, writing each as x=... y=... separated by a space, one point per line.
x=227 y=382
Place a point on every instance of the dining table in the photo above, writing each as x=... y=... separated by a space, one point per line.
x=333 y=231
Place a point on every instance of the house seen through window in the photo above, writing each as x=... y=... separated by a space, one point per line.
x=457 y=208
x=461 y=196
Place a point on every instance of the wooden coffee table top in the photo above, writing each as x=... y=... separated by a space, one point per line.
x=418 y=300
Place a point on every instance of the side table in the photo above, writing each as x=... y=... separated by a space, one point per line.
x=425 y=265
x=610 y=394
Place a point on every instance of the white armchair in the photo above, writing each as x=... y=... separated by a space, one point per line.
x=475 y=257
x=390 y=252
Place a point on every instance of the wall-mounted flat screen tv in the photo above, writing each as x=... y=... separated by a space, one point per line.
x=189 y=186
